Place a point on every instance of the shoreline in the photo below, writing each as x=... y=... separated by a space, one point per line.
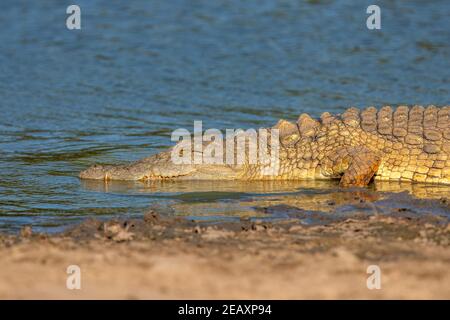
x=159 y=257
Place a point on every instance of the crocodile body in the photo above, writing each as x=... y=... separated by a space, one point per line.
x=403 y=144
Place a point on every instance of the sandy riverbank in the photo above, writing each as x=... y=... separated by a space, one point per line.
x=160 y=258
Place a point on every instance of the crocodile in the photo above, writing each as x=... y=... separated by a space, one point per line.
x=407 y=143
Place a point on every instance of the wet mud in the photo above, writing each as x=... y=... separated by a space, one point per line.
x=302 y=253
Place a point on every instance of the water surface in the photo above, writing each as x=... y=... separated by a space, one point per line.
x=137 y=70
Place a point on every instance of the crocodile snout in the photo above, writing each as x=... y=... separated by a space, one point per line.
x=96 y=172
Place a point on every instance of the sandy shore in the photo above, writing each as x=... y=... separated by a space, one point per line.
x=159 y=258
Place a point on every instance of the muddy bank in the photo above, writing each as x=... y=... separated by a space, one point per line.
x=168 y=257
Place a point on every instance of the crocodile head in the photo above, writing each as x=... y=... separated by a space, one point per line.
x=160 y=167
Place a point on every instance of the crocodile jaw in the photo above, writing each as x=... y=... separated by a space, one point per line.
x=99 y=172
x=147 y=170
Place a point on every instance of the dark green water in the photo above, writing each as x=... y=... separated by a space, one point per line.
x=137 y=70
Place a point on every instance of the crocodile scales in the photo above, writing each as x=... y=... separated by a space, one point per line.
x=402 y=144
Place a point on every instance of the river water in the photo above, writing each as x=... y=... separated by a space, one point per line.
x=137 y=70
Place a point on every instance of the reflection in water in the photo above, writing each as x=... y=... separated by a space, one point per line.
x=174 y=186
x=309 y=201
x=254 y=187
x=418 y=190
